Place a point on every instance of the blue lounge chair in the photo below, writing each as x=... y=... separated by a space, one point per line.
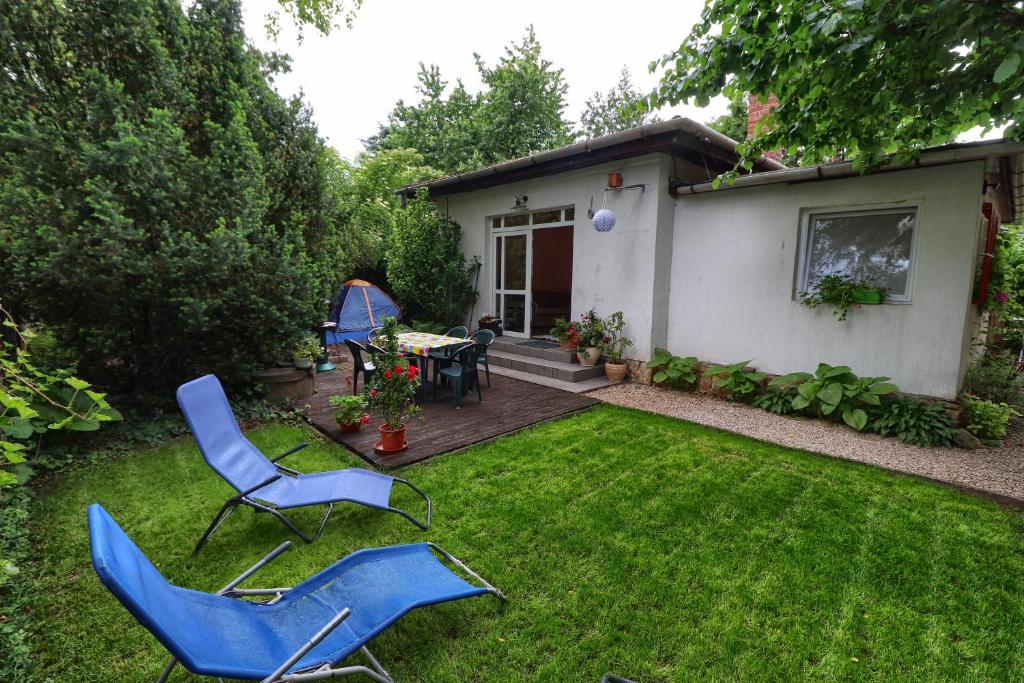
x=298 y=634
x=261 y=483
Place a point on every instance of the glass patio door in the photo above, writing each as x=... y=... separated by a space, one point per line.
x=511 y=281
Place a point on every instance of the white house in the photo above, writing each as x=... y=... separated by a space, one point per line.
x=715 y=272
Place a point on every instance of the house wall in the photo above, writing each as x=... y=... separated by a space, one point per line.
x=733 y=274
x=612 y=271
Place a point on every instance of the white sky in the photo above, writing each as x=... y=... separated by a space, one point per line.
x=353 y=77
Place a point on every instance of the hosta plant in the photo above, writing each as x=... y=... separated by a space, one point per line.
x=837 y=391
x=672 y=371
x=736 y=379
x=778 y=400
x=921 y=423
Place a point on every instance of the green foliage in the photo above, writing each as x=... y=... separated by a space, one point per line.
x=742 y=384
x=671 y=371
x=34 y=402
x=859 y=78
x=778 y=400
x=839 y=291
x=426 y=269
x=563 y=329
x=392 y=389
x=987 y=420
x=519 y=112
x=307 y=346
x=734 y=123
x=996 y=377
x=621 y=108
x=162 y=210
x=430 y=326
x=349 y=409
x=323 y=15
x=613 y=343
x=921 y=423
x=835 y=390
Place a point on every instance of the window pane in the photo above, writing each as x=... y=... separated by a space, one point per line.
x=515 y=313
x=547 y=216
x=496 y=222
x=497 y=261
x=515 y=220
x=867 y=246
x=570 y=213
x=515 y=262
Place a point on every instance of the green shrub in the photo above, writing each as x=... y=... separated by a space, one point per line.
x=996 y=377
x=162 y=222
x=426 y=269
x=741 y=383
x=835 y=390
x=778 y=400
x=430 y=326
x=671 y=371
x=921 y=423
x=987 y=420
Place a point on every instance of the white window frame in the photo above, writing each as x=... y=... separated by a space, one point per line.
x=804 y=244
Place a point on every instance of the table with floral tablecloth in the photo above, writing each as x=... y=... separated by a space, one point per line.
x=422 y=343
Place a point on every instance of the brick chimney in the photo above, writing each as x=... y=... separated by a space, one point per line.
x=757 y=110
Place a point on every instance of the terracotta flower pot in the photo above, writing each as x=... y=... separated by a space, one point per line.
x=616 y=372
x=593 y=354
x=567 y=344
x=349 y=427
x=391 y=440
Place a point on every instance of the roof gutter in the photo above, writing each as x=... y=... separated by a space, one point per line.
x=941 y=156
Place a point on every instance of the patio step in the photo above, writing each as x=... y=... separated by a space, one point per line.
x=566 y=372
x=518 y=348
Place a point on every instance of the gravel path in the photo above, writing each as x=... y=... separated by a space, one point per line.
x=998 y=472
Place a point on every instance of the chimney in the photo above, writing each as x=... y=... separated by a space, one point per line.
x=757 y=110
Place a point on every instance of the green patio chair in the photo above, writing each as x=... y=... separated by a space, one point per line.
x=485 y=337
x=359 y=366
x=462 y=374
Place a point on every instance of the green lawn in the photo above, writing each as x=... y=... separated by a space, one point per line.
x=626 y=542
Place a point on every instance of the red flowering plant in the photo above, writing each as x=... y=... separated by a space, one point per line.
x=565 y=331
x=393 y=388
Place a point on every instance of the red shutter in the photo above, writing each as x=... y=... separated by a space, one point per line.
x=990 y=246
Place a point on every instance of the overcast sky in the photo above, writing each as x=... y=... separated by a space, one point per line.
x=353 y=77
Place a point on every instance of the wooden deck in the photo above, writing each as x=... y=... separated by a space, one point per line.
x=509 y=405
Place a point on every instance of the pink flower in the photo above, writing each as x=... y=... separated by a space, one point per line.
x=373 y=392
x=366 y=419
x=1002 y=297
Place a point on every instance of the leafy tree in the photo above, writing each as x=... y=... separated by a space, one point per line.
x=864 y=77
x=323 y=15
x=618 y=109
x=523 y=105
x=519 y=112
x=161 y=208
x=734 y=123
x=425 y=265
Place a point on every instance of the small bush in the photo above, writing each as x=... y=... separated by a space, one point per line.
x=987 y=420
x=837 y=391
x=778 y=400
x=741 y=383
x=920 y=423
x=671 y=371
x=996 y=377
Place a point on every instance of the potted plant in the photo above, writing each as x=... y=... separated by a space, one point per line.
x=490 y=322
x=392 y=390
x=841 y=292
x=565 y=332
x=306 y=350
x=350 y=412
x=589 y=337
x=613 y=345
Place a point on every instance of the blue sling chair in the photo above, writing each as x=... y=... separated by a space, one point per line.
x=298 y=634
x=261 y=483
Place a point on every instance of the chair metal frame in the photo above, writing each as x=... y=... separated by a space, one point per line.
x=246 y=498
x=374 y=671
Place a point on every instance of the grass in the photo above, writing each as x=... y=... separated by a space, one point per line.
x=627 y=542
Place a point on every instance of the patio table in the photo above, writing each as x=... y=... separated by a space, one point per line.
x=420 y=344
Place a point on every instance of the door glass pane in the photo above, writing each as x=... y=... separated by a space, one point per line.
x=570 y=213
x=515 y=262
x=497 y=306
x=497 y=263
x=515 y=313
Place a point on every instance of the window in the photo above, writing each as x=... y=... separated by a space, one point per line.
x=863 y=245
x=544 y=217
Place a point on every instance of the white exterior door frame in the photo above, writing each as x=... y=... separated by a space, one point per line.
x=504 y=293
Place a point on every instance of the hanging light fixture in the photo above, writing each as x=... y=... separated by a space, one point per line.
x=604 y=219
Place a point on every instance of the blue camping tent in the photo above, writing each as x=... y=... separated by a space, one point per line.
x=361 y=307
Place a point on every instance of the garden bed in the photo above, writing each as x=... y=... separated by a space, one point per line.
x=996 y=471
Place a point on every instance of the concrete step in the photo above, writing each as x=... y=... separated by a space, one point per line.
x=580 y=387
x=517 y=348
x=545 y=368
